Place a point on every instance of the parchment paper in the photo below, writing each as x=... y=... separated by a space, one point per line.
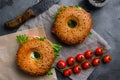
x=92 y=41
x=8 y=49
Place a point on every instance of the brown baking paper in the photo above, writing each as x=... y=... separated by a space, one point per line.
x=8 y=49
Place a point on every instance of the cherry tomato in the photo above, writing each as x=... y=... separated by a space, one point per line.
x=61 y=64
x=77 y=69
x=99 y=51
x=67 y=72
x=86 y=65
x=88 y=54
x=107 y=59
x=80 y=57
x=71 y=61
x=96 y=62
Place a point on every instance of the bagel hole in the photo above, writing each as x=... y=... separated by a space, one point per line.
x=35 y=55
x=72 y=23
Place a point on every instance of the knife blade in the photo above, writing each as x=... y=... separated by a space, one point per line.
x=31 y=12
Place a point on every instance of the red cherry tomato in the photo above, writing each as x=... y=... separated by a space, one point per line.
x=107 y=59
x=86 y=65
x=80 y=57
x=96 y=62
x=71 y=61
x=61 y=64
x=67 y=72
x=77 y=69
x=99 y=51
x=88 y=54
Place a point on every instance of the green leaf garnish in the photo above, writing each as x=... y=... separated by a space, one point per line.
x=69 y=22
x=90 y=33
x=22 y=38
x=42 y=39
x=56 y=48
x=77 y=6
x=50 y=71
x=54 y=18
x=64 y=7
x=58 y=11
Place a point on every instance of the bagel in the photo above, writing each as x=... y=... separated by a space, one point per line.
x=35 y=57
x=82 y=24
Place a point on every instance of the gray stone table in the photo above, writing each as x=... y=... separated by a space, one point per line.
x=106 y=22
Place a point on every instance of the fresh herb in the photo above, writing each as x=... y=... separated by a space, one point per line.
x=54 y=18
x=42 y=39
x=77 y=6
x=63 y=8
x=90 y=33
x=22 y=38
x=56 y=48
x=36 y=59
x=72 y=23
x=69 y=22
x=58 y=12
x=52 y=67
x=50 y=72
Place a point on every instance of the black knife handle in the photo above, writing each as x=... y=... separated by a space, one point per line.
x=16 y=22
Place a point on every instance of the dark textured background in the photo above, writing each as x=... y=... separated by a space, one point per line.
x=106 y=22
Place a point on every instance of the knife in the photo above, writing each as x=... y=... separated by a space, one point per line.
x=33 y=11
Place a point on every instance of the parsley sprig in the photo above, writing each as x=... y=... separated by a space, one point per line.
x=50 y=71
x=57 y=48
x=42 y=39
x=22 y=38
x=58 y=12
x=77 y=6
x=90 y=33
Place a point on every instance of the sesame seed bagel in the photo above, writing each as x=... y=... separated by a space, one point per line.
x=35 y=67
x=72 y=35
